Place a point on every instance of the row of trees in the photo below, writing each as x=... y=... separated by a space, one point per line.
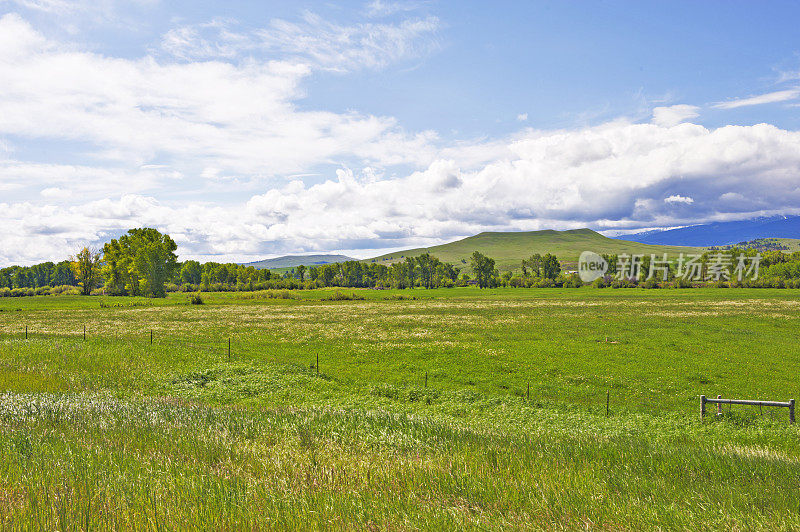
x=140 y=262
x=38 y=276
x=143 y=262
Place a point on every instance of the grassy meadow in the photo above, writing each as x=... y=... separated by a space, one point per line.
x=113 y=431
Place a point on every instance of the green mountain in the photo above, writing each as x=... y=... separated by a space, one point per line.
x=292 y=261
x=508 y=249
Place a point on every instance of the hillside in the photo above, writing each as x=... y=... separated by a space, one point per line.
x=292 y=261
x=509 y=248
x=722 y=233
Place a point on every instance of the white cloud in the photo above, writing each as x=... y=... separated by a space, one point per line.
x=210 y=40
x=55 y=193
x=522 y=117
x=338 y=47
x=145 y=125
x=385 y=8
x=312 y=40
x=674 y=114
x=73 y=15
x=238 y=119
x=771 y=97
x=611 y=176
x=676 y=198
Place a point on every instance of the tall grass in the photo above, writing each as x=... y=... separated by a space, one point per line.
x=112 y=432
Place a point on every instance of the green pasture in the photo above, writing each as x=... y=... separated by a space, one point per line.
x=510 y=431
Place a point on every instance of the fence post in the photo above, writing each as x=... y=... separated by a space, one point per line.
x=719 y=406
x=151 y=336
x=426 y=379
x=26 y=332
x=791 y=410
x=317 y=363
x=229 y=348
x=702 y=406
x=528 y=393
x=84 y=333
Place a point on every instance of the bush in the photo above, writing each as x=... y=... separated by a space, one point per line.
x=651 y=283
x=196 y=299
x=22 y=292
x=339 y=296
x=599 y=283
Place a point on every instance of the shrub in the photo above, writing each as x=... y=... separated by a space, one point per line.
x=339 y=296
x=651 y=283
x=196 y=299
x=22 y=292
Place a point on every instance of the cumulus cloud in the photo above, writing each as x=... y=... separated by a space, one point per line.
x=236 y=118
x=615 y=175
x=771 y=97
x=229 y=132
x=677 y=198
x=674 y=114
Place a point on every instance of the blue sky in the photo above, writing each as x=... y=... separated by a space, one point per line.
x=253 y=129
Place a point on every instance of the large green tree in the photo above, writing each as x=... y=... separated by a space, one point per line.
x=483 y=268
x=427 y=265
x=86 y=265
x=191 y=272
x=140 y=263
x=550 y=266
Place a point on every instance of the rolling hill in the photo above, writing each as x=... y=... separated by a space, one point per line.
x=722 y=233
x=509 y=248
x=292 y=261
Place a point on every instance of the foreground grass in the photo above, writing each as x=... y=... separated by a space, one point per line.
x=82 y=461
x=113 y=432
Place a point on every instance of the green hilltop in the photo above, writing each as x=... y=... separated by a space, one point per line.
x=509 y=248
x=292 y=261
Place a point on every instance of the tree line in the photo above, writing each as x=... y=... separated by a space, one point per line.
x=143 y=262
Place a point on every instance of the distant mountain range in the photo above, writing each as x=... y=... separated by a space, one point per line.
x=721 y=233
x=293 y=261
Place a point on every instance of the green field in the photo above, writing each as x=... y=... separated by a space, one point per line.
x=792 y=243
x=508 y=249
x=113 y=432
